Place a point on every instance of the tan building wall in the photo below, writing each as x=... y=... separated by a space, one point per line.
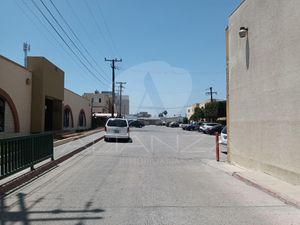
x=264 y=87
x=47 y=94
x=100 y=102
x=77 y=103
x=16 y=82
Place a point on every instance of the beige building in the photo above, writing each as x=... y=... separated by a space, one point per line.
x=76 y=111
x=34 y=100
x=47 y=95
x=15 y=97
x=263 y=87
x=100 y=102
x=191 y=110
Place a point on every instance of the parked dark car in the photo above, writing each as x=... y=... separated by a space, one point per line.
x=194 y=126
x=174 y=124
x=137 y=123
x=213 y=130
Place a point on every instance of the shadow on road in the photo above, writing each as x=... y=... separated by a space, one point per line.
x=25 y=215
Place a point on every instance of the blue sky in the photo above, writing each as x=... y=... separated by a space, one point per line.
x=172 y=51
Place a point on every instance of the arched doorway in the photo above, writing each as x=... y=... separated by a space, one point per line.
x=2 y=114
x=9 y=120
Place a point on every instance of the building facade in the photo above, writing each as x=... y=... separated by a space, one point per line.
x=100 y=103
x=191 y=109
x=76 y=111
x=32 y=99
x=15 y=97
x=263 y=93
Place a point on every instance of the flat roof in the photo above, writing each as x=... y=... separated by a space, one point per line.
x=236 y=8
x=13 y=62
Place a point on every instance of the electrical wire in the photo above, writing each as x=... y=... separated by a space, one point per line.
x=71 y=40
x=75 y=35
x=68 y=46
x=98 y=26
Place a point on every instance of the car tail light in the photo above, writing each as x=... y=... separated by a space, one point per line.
x=128 y=129
x=105 y=128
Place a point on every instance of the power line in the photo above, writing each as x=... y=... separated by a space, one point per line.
x=211 y=93
x=74 y=53
x=80 y=52
x=98 y=26
x=113 y=81
x=77 y=38
x=120 y=89
x=106 y=26
x=43 y=25
x=83 y=27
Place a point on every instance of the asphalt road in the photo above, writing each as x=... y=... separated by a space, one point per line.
x=161 y=178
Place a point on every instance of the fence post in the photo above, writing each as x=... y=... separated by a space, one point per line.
x=217 y=147
x=32 y=153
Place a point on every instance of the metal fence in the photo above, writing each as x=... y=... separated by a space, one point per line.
x=18 y=153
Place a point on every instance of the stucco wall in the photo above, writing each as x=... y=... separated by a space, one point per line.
x=13 y=81
x=76 y=103
x=48 y=82
x=264 y=87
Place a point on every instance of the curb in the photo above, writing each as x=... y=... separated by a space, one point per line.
x=67 y=140
x=268 y=191
x=16 y=182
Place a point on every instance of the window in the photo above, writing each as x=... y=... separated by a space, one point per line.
x=117 y=123
x=66 y=117
x=82 y=121
x=99 y=100
x=2 y=113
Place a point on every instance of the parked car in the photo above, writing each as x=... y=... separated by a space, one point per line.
x=205 y=126
x=136 y=123
x=223 y=136
x=183 y=125
x=174 y=124
x=215 y=129
x=116 y=128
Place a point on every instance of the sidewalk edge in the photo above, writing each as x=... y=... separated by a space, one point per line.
x=279 y=196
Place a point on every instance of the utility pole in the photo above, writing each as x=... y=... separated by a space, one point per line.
x=121 y=87
x=211 y=92
x=26 y=49
x=113 y=81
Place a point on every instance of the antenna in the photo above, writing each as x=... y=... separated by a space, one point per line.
x=26 y=49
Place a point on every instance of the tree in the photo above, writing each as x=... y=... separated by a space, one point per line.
x=160 y=115
x=214 y=110
x=185 y=120
x=198 y=114
x=211 y=111
x=165 y=112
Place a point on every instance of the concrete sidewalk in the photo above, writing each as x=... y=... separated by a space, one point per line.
x=61 y=153
x=286 y=192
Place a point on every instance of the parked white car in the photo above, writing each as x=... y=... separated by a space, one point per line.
x=116 y=128
x=205 y=126
x=223 y=136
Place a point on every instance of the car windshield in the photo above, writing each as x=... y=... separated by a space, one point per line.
x=117 y=123
x=224 y=131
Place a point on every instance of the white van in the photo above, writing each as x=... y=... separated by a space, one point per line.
x=116 y=128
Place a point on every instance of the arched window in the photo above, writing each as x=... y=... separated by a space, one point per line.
x=81 y=119
x=2 y=113
x=68 y=117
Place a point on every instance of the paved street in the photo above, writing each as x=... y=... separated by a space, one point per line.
x=160 y=178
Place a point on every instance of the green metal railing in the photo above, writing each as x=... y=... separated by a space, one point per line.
x=18 y=153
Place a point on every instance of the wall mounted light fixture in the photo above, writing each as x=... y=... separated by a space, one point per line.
x=243 y=32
